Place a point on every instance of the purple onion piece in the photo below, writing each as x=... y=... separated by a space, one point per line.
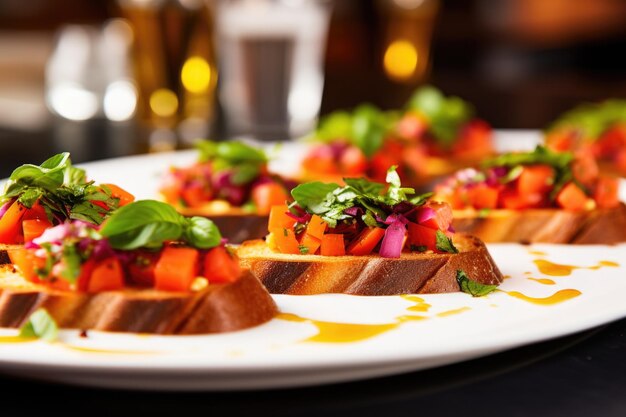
x=299 y=218
x=424 y=214
x=353 y=211
x=392 y=218
x=391 y=246
x=403 y=207
x=451 y=229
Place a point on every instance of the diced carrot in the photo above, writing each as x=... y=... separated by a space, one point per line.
x=220 y=266
x=483 y=196
x=279 y=219
x=176 y=269
x=366 y=241
x=421 y=236
x=267 y=195
x=320 y=162
x=26 y=262
x=332 y=245
x=571 y=197
x=353 y=161
x=606 y=192
x=107 y=275
x=33 y=228
x=10 y=224
x=316 y=227
x=286 y=241
x=118 y=192
x=309 y=244
x=443 y=215
x=535 y=179
x=513 y=200
x=561 y=140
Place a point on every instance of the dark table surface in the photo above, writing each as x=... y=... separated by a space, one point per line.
x=578 y=375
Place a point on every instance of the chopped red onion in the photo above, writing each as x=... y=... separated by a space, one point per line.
x=391 y=246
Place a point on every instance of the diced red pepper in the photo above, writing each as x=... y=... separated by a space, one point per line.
x=220 y=266
x=333 y=245
x=366 y=241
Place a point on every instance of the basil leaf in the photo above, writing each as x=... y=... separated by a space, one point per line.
x=474 y=288
x=541 y=155
x=444 y=243
x=244 y=174
x=144 y=223
x=364 y=186
x=49 y=175
x=202 y=233
x=337 y=125
x=40 y=325
x=312 y=196
x=368 y=129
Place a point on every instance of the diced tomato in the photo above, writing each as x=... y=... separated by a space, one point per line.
x=482 y=196
x=366 y=241
x=267 y=195
x=585 y=169
x=412 y=126
x=35 y=212
x=86 y=269
x=285 y=240
x=610 y=142
x=141 y=268
x=194 y=195
x=606 y=192
x=279 y=219
x=390 y=154
x=332 y=245
x=33 y=228
x=620 y=162
x=571 y=197
x=474 y=140
x=535 y=179
x=11 y=224
x=321 y=160
x=422 y=236
x=416 y=158
x=309 y=244
x=220 y=266
x=107 y=275
x=176 y=269
x=561 y=140
x=513 y=200
x=443 y=215
x=118 y=192
x=353 y=161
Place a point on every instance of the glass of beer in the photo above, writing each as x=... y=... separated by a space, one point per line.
x=271 y=65
x=174 y=66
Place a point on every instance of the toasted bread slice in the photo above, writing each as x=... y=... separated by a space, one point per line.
x=215 y=309
x=600 y=226
x=412 y=273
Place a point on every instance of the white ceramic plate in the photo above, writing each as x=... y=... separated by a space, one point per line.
x=332 y=338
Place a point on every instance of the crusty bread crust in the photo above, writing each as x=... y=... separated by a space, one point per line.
x=218 y=308
x=600 y=226
x=412 y=273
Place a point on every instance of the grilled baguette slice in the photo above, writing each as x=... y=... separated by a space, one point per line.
x=600 y=226
x=412 y=273
x=215 y=309
x=236 y=225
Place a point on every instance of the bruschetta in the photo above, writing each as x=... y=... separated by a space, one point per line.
x=230 y=183
x=540 y=196
x=147 y=269
x=434 y=135
x=365 y=238
x=37 y=197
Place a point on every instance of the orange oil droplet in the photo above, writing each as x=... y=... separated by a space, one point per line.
x=453 y=312
x=544 y=281
x=558 y=297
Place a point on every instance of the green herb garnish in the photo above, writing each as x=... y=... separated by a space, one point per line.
x=244 y=161
x=149 y=223
x=330 y=201
x=303 y=249
x=418 y=248
x=40 y=325
x=474 y=288
x=445 y=114
x=444 y=243
x=61 y=189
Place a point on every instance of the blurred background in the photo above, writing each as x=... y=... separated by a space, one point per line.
x=115 y=77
